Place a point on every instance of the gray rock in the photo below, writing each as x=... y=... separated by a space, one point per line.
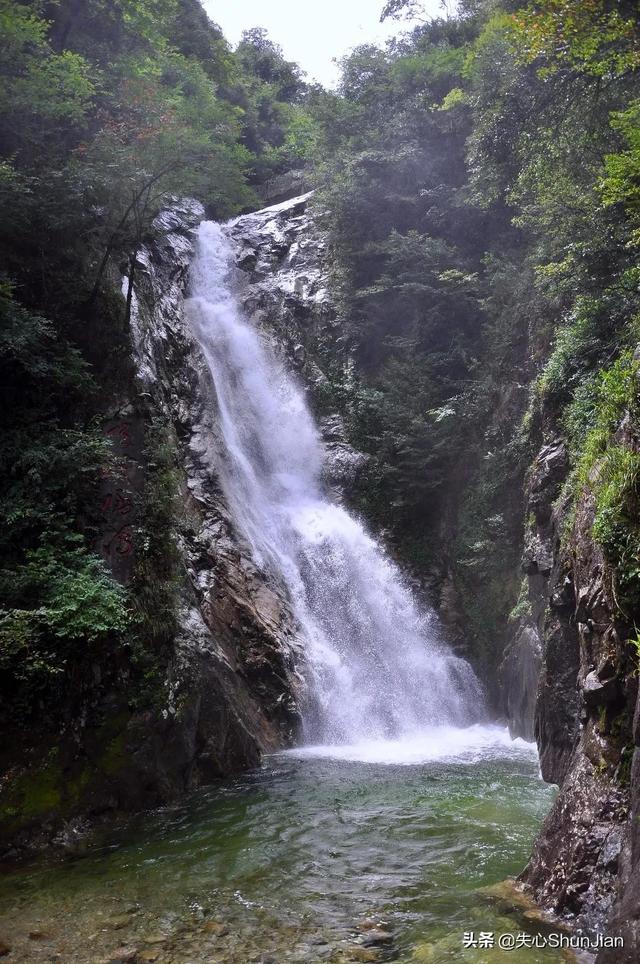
x=284 y=186
x=520 y=672
x=597 y=692
x=538 y=555
x=374 y=937
x=610 y=853
x=581 y=866
x=342 y=464
x=123 y=955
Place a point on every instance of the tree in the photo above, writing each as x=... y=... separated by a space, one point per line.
x=45 y=96
x=591 y=36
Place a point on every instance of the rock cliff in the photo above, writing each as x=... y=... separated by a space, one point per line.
x=234 y=668
x=228 y=673
x=233 y=680
x=284 y=287
x=580 y=709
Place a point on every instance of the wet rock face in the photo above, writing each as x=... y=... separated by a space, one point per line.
x=520 y=672
x=291 y=184
x=539 y=659
x=283 y=285
x=282 y=279
x=238 y=639
x=233 y=684
x=582 y=707
x=575 y=864
x=232 y=680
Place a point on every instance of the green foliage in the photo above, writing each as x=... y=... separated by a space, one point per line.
x=589 y=37
x=616 y=394
x=610 y=470
x=56 y=600
x=57 y=595
x=276 y=126
x=108 y=107
x=56 y=603
x=615 y=525
x=49 y=452
x=621 y=184
x=579 y=344
x=522 y=608
x=43 y=92
x=634 y=642
x=391 y=165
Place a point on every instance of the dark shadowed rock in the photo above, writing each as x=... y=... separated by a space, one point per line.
x=283 y=187
x=583 y=856
x=520 y=672
x=597 y=692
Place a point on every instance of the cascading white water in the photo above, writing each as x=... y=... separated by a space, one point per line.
x=374 y=666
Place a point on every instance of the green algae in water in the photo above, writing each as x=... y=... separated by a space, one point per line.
x=301 y=860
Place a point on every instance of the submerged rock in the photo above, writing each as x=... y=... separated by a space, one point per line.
x=123 y=955
x=216 y=928
x=375 y=936
x=359 y=953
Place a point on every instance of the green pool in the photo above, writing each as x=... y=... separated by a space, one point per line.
x=368 y=854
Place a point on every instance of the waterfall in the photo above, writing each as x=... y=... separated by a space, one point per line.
x=374 y=665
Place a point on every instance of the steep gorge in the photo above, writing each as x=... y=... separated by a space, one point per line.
x=234 y=681
x=456 y=305
x=565 y=678
x=233 y=686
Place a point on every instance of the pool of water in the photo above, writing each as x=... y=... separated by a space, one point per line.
x=369 y=853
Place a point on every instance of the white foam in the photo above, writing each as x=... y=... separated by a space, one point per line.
x=445 y=744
